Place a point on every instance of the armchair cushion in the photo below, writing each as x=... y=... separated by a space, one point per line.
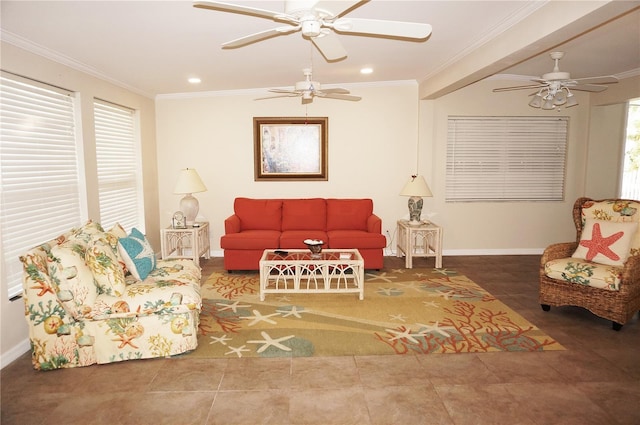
x=584 y=272
x=137 y=254
x=605 y=242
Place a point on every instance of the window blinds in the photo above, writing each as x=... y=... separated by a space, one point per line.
x=506 y=158
x=39 y=174
x=118 y=166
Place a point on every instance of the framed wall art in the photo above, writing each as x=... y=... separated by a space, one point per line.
x=290 y=148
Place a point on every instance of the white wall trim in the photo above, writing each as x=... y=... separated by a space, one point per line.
x=12 y=354
x=391 y=252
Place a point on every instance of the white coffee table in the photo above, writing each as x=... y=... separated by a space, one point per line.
x=333 y=271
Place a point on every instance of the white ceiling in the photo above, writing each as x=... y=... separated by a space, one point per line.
x=152 y=47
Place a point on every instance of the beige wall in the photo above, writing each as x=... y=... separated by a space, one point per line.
x=14 y=329
x=372 y=149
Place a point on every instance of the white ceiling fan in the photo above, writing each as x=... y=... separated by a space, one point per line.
x=554 y=88
x=308 y=89
x=318 y=20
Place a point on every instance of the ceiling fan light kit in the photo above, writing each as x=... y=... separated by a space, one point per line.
x=554 y=87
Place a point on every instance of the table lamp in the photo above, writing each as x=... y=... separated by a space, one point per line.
x=416 y=189
x=189 y=182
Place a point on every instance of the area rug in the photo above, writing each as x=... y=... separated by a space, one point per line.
x=404 y=311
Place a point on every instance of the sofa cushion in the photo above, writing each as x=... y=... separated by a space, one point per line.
x=294 y=239
x=605 y=242
x=76 y=288
x=259 y=214
x=348 y=214
x=304 y=214
x=137 y=254
x=582 y=272
x=342 y=239
x=172 y=287
x=251 y=239
x=107 y=271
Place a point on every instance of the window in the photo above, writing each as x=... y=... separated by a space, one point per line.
x=118 y=166
x=631 y=171
x=40 y=173
x=506 y=158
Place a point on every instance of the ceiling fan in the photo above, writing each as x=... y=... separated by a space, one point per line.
x=309 y=89
x=318 y=20
x=554 y=88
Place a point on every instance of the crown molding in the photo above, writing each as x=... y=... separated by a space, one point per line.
x=29 y=46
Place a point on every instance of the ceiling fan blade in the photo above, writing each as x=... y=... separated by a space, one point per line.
x=259 y=36
x=339 y=96
x=604 y=79
x=245 y=10
x=278 y=95
x=330 y=46
x=338 y=8
x=292 y=92
x=594 y=88
x=378 y=27
x=531 y=86
x=336 y=90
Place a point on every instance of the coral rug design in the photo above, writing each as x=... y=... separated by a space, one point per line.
x=404 y=311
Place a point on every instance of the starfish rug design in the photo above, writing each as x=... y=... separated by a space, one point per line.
x=404 y=311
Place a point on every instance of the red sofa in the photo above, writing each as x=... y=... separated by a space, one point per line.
x=259 y=224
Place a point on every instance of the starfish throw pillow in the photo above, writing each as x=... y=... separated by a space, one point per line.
x=605 y=242
x=137 y=254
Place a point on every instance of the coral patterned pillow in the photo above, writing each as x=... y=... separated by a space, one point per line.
x=107 y=272
x=605 y=242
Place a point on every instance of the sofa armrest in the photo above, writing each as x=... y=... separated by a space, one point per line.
x=374 y=224
x=232 y=225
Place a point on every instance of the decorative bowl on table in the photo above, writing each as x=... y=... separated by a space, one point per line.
x=315 y=246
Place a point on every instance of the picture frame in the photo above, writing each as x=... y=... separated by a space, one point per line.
x=290 y=149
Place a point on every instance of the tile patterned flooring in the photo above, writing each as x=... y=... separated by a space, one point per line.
x=595 y=381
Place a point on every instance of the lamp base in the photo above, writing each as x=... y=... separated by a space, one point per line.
x=190 y=206
x=415 y=209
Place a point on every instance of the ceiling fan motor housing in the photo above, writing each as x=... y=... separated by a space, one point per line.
x=555 y=76
x=307 y=86
x=310 y=27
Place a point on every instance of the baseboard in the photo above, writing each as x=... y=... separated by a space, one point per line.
x=389 y=252
x=15 y=352
x=511 y=251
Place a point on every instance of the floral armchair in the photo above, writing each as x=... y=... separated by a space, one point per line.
x=84 y=304
x=600 y=271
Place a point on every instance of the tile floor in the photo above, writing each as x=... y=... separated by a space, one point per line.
x=595 y=381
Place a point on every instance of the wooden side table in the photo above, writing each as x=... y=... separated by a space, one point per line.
x=192 y=242
x=423 y=240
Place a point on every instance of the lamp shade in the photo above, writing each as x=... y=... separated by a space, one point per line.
x=189 y=182
x=417 y=186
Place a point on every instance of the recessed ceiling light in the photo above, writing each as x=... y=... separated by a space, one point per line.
x=366 y=71
x=194 y=80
